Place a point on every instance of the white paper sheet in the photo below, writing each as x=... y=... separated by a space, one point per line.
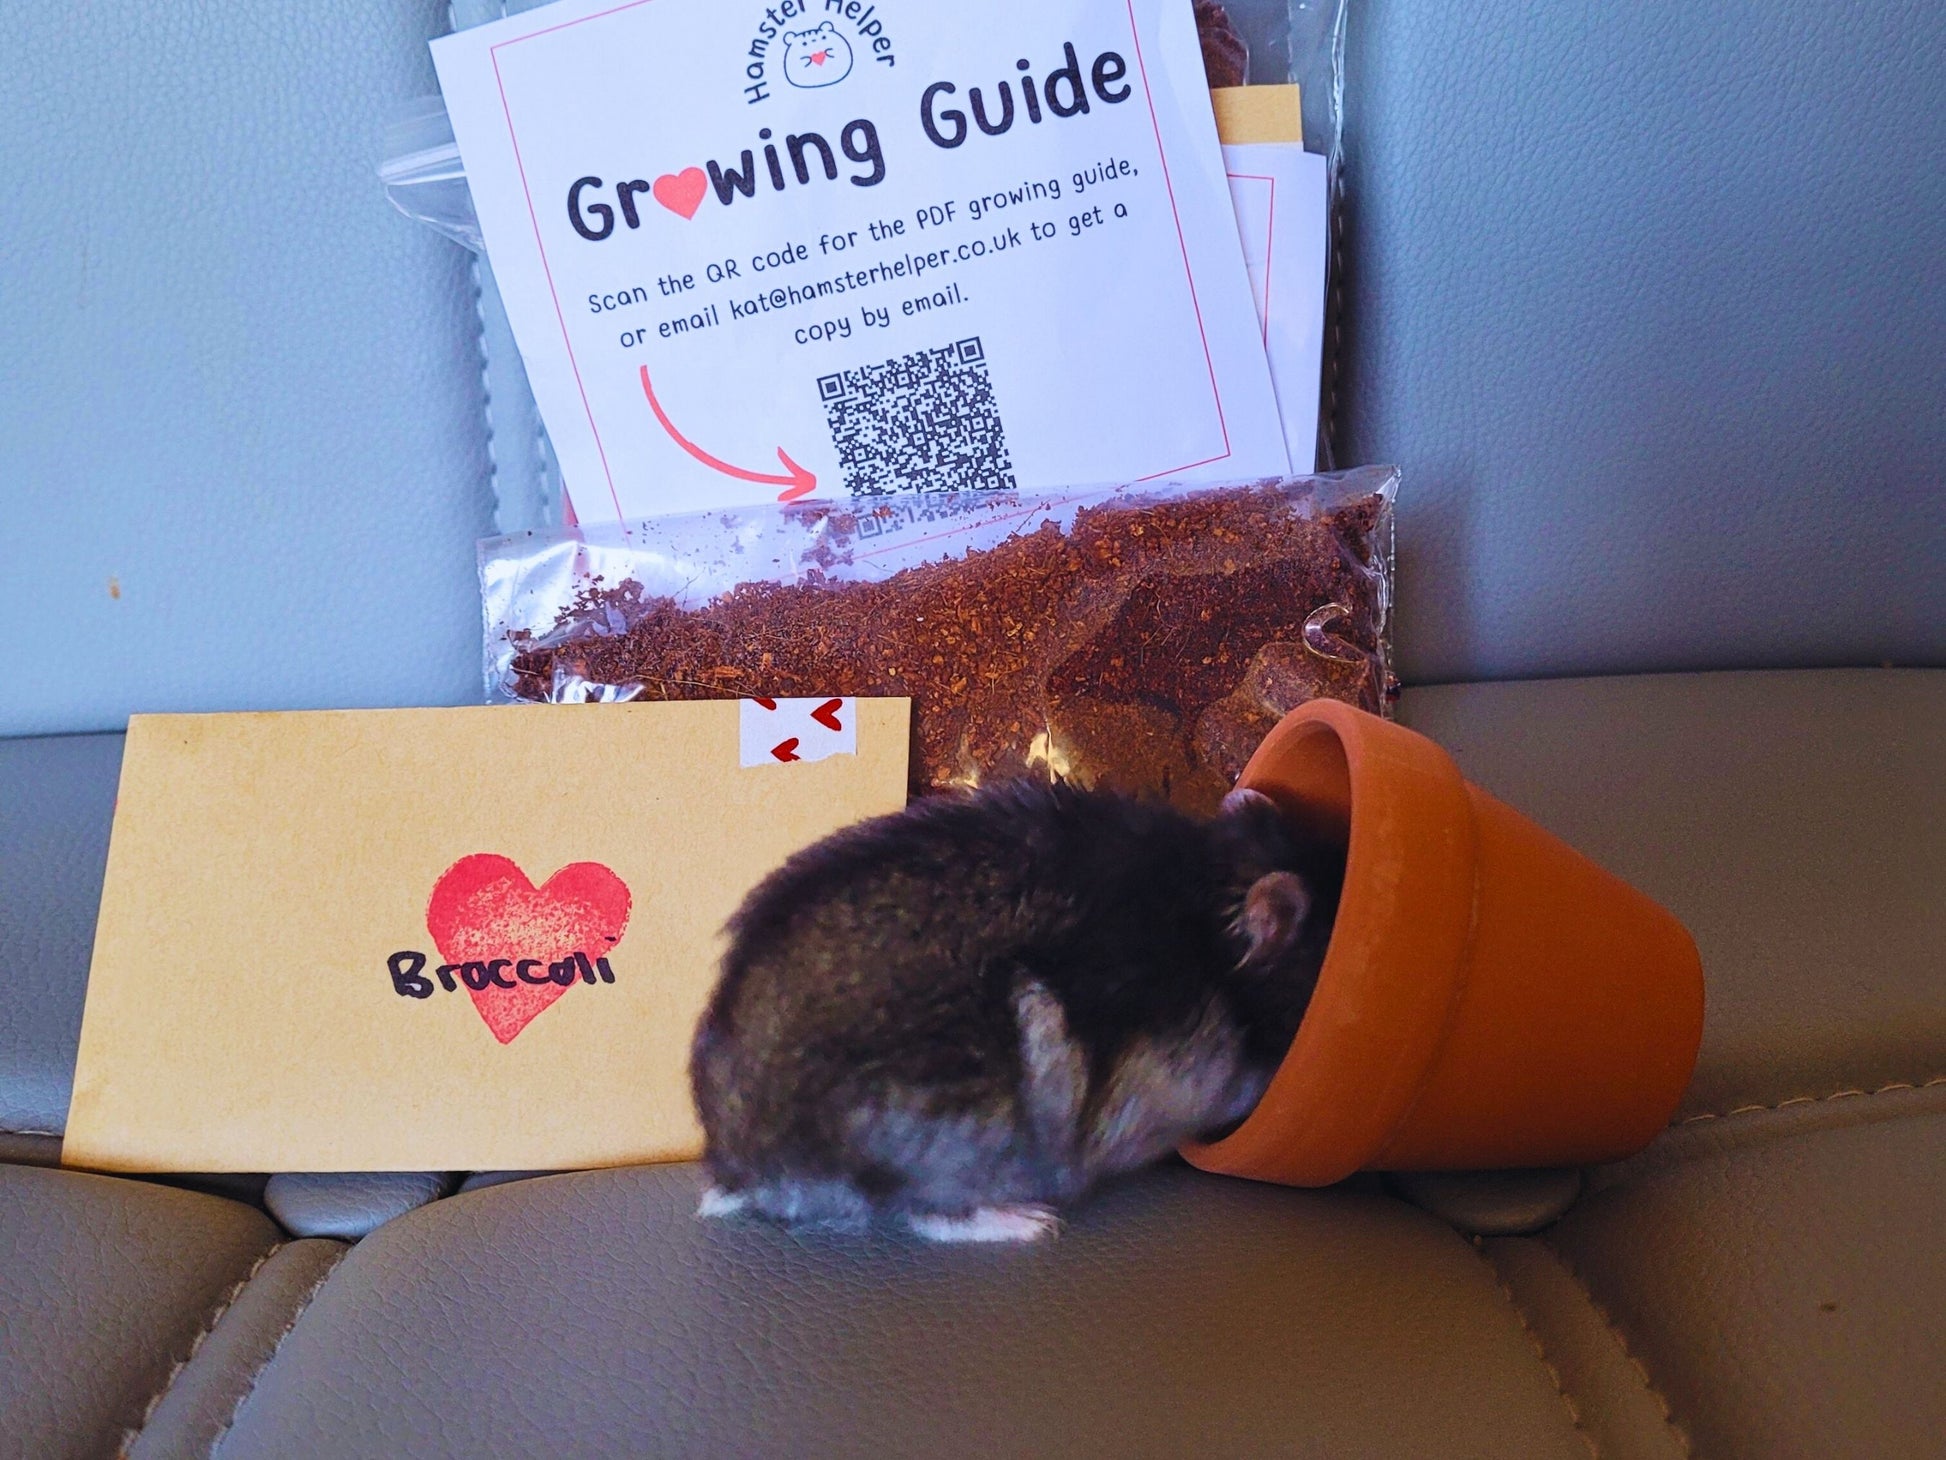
x=1062 y=300
x=1279 y=192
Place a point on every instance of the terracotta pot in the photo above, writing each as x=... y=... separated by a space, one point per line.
x=1490 y=997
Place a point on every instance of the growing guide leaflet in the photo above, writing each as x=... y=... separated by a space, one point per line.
x=773 y=249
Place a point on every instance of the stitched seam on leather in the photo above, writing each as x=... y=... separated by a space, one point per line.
x=1540 y=1352
x=1615 y=1332
x=547 y=489
x=1332 y=366
x=486 y=393
x=1849 y=1094
x=270 y=1358
x=486 y=378
x=224 y=1304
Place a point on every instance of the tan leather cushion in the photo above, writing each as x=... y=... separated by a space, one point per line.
x=1795 y=821
x=105 y=1286
x=1786 y=1294
x=1768 y=1279
x=1180 y=1314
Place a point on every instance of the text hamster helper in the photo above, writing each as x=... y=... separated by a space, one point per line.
x=911 y=263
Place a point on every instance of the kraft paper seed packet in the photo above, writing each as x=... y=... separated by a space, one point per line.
x=759 y=249
x=375 y=953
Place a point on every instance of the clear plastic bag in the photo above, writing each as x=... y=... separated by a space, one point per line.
x=421 y=169
x=1282 y=42
x=422 y=173
x=1251 y=43
x=1141 y=638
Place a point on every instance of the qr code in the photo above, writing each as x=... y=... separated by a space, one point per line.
x=889 y=519
x=924 y=422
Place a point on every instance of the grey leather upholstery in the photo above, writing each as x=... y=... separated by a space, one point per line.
x=105 y=1286
x=1792 y=821
x=1786 y=1291
x=197 y=1407
x=1646 y=299
x=480 y=1180
x=29 y=1150
x=352 y=1203
x=1490 y=1203
x=239 y=387
x=1180 y=1315
x=54 y=814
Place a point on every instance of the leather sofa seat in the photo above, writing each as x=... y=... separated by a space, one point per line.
x=1643 y=298
x=112 y=1294
x=1765 y=1280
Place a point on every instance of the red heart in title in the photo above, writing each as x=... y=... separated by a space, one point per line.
x=681 y=192
x=483 y=908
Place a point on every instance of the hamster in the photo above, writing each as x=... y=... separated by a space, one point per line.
x=964 y=1015
x=816 y=57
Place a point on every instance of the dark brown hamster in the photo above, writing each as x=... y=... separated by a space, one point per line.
x=966 y=1014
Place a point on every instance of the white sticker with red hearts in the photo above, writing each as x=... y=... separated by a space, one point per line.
x=787 y=732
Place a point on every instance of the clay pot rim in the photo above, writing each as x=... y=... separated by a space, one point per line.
x=1394 y=971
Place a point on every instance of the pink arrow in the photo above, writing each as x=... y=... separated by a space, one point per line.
x=797 y=482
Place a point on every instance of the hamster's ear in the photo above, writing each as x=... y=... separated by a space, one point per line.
x=1273 y=915
x=1241 y=801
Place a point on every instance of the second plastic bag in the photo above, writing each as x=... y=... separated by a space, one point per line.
x=1143 y=639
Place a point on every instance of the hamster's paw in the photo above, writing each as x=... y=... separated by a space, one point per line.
x=717 y=1202
x=1024 y=1223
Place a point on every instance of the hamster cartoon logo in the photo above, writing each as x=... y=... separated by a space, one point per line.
x=818 y=57
x=813 y=44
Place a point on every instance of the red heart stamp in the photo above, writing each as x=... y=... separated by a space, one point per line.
x=681 y=192
x=483 y=910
